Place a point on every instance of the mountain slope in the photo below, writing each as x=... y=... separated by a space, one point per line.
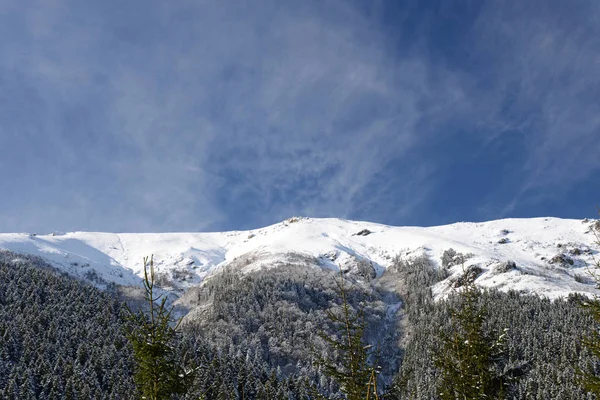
x=550 y=255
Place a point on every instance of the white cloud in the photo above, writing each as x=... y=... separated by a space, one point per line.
x=547 y=74
x=298 y=104
x=287 y=107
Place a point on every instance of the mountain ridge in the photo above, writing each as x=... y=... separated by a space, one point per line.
x=546 y=256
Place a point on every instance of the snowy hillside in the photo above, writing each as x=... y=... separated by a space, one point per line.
x=549 y=254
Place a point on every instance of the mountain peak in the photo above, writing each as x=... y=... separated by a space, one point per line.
x=546 y=256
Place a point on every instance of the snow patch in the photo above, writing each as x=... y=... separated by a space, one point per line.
x=186 y=259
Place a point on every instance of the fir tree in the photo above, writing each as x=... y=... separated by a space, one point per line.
x=354 y=373
x=159 y=373
x=590 y=378
x=469 y=359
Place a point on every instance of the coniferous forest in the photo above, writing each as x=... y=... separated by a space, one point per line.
x=299 y=199
x=272 y=334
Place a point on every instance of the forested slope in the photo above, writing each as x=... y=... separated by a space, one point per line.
x=544 y=337
x=59 y=338
x=255 y=335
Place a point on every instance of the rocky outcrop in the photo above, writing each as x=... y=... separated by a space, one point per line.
x=562 y=259
x=359 y=267
x=506 y=266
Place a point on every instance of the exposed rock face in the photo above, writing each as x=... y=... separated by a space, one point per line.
x=359 y=267
x=364 y=232
x=506 y=266
x=330 y=255
x=562 y=260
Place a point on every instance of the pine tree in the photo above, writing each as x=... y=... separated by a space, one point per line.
x=158 y=372
x=590 y=378
x=469 y=360
x=354 y=373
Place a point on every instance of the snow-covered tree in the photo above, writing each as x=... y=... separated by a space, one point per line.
x=159 y=371
x=470 y=360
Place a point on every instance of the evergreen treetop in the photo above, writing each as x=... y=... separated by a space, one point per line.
x=159 y=373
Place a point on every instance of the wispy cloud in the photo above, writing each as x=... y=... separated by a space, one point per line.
x=544 y=85
x=201 y=115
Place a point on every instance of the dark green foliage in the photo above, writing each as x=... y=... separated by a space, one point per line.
x=275 y=315
x=448 y=258
x=352 y=370
x=159 y=371
x=590 y=376
x=236 y=376
x=64 y=339
x=59 y=338
x=543 y=344
x=469 y=358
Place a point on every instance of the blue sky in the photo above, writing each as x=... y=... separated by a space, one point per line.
x=214 y=115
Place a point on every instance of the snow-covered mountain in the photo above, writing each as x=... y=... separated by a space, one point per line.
x=550 y=255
